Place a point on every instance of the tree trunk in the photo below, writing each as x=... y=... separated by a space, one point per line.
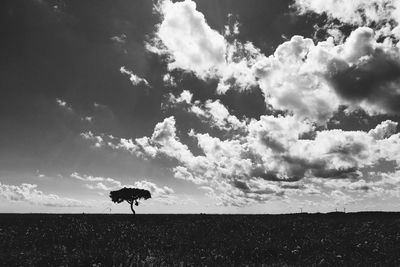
x=133 y=211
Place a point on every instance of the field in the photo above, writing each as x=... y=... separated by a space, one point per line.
x=359 y=239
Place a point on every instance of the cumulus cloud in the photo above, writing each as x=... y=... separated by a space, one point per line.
x=312 y=80
x=358 y=12
x=135 y=80
x=289 y=82
x=186 y=36
x=30 y=194
x=367 y=72
x=185 y=97
x=164 y=141
x=270 y=158
x=191 y=45
x=384 y=130
x=309 y=80
x=306 y=82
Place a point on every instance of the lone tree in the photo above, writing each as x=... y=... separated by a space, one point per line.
x=130 y=195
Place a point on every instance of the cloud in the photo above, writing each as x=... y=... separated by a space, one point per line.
x=186 y=36
x=162 y=142
x=101 y=183
x=183 y=173
x=169 y=80
x=63 y=104
x=135 y=80
x=268 y=157
x=185 y=97
x=191 y=45
x=312 y=80
x=357 y=12
x=384 y=130
x=304 y=83
x=287 y=86
x=97 y=140
x=306 y=79
x=30 y=194
x=373 y=185
x=119 y=39
x=157 y=192
x=367 y=73
x=255 y=166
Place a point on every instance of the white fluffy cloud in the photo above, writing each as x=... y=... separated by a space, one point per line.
x=312 y=80
x=289 y=81
x=274 y=157
x=30 y=194
x=192 y=45
x=384 y=130
x=163 y=141
x=358 y=12
x=185 y=34
x=309 y=80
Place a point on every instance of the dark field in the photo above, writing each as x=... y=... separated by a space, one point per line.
x=363 y=239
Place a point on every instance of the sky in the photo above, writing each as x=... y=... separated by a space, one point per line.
x=213 y=106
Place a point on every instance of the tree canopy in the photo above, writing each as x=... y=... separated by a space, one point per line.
x=130 y=195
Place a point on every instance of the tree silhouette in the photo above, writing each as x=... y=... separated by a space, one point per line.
x=130 y=195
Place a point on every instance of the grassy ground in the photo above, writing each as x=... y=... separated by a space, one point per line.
x=366 y=239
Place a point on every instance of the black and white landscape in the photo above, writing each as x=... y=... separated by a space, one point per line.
x=199 y=107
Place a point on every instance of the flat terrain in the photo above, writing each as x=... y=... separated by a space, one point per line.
x=359 y=239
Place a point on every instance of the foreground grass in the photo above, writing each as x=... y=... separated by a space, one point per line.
x=200 y=240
